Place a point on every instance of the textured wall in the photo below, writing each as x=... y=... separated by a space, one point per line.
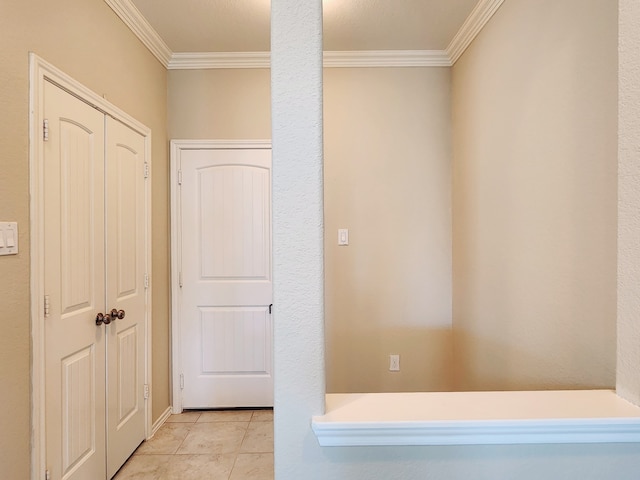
x=628 y=370
x=296 y=103
x=534 y=209
x=87 y=41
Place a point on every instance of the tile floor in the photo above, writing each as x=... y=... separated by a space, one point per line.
x=212 y=445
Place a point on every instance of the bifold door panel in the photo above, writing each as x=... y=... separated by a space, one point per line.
x=75 y=284
x=125 y=291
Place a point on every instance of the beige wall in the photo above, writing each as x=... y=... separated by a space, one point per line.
x=534 y=208
x=87 y=41
x=387 y=174
x=219 y=104
x=387 y=150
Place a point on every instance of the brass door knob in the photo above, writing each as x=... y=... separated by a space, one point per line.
x=117 y=314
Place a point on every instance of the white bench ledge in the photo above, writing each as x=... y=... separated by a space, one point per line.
x=477 y=418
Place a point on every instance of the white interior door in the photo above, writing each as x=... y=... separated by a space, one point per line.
x=93 y=262
x=225 y=313
x=126 y=293
x=75 y=287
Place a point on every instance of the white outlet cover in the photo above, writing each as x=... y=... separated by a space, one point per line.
x=394 y=363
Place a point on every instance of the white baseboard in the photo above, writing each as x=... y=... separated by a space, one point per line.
x=160 y=421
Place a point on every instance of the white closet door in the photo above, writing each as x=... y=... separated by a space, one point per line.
x=125 y=261
x=95 y=262
x=225 y=319
x=75 y=288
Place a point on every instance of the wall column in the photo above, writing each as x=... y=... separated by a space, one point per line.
x=298 y=270
x=628 y=366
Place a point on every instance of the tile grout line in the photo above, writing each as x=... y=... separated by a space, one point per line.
x=185 y=437
x=233 y=466
x=235 y=460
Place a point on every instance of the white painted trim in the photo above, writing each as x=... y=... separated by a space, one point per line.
x=382 y=58
x=177 y=146
x=220 y=144
x=477 y=418
x=44 y=70
x=472 y=26
x=159 y=422
x=41 y=71
x=387 y=58
x=176 y=262
x=479 y=433
x=149 y=271
x=211 y=60
x=131 y=16
x=36 y=189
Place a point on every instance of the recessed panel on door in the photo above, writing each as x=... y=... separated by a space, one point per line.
x=78 y=408
x=124 y=200
x=234 y=221
x=76 y=215
x=235 y=340
x=128 y=382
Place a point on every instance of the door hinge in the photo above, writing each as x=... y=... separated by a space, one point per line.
x=47 y=475
x=47 y=306
x=45 y=130
x=181 y=381
x=180 y=279
x=146 y=280
x=179 y=177
x=146 y=391
x=146 y=170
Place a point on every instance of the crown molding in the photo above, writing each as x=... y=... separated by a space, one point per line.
x=142 y=29
x=471 y=27
x=204 y=61
x=387 y=58
x=478 y=18
x=383 y=58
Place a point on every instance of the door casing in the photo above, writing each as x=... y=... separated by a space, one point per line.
x=40 y=72
x=176 y=147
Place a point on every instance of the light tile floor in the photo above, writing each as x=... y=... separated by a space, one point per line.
x=212 y=445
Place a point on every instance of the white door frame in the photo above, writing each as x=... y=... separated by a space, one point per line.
x=177 y=146
x=40 y=72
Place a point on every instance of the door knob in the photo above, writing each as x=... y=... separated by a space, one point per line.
x=102 y=318
x=109 y=317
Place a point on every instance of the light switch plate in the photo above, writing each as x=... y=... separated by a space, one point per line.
x=343 y=236
x=8 y=238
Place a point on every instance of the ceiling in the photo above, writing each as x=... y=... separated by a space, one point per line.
x=349 y=25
